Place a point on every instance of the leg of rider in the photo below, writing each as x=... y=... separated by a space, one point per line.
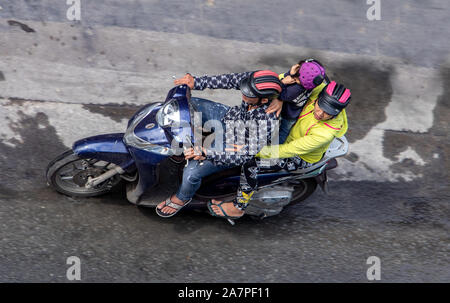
x=248 y=183
x=193 y=175
x=295 y=163
x=212 y=114
x=285 y=128
x=194 y=172
x=191 y=182
x=249 y=176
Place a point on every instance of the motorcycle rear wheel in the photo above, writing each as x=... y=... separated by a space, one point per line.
x=68 y=173
x=303 y=188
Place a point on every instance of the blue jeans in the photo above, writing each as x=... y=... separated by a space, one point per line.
x=194 y=172
x=193 y=175
x=285 y=128
x=210 y=110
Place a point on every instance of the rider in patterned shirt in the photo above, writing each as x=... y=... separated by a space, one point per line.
x=248 y=125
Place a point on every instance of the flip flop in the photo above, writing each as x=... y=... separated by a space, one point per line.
x=175 y=206
x=225 y=215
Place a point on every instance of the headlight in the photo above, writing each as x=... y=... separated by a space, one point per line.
x=168 y=114
x=131 y=139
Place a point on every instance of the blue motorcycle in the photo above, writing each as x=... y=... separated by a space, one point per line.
x=147 y=160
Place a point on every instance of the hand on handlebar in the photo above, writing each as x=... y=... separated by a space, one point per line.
x=187 y=79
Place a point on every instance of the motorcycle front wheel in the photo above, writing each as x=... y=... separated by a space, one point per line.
x=68 y=173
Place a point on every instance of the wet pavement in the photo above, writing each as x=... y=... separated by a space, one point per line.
x=388 y=198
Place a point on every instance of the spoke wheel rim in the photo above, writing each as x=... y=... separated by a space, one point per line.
x=73 y=175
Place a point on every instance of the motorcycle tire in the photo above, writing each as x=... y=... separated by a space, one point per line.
x=73 y=185
x=303 y=190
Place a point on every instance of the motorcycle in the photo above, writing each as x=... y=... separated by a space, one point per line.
x=144 y=157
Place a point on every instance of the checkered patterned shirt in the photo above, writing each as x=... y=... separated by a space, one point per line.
x=225 y=81
x=251 y=129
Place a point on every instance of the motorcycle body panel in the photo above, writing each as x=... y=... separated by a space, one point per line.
x=107 y=147
x=149 y=143
x=147 y=166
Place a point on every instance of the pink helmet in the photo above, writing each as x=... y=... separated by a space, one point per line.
x=311 y=73
x=334 y=98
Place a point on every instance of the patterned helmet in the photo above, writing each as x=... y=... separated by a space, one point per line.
x=334 y=98
x=261 y=84
x=311 y=73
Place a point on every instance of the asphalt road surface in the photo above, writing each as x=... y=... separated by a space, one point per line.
x=63 y=80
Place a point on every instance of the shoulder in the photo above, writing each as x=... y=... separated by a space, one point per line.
x=233 y=110
x=319 y=87
x=309 y=105
x=317 y=90
x=261 y=114
x=290 y=92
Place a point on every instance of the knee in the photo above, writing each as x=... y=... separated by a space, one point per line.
x=191 y=175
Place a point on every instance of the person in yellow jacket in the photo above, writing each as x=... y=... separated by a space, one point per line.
x=320 y=121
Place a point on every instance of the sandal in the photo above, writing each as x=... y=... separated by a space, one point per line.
x=225 y=215
x=175 y=206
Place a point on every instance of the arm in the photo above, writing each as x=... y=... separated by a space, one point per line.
x=248 y=143
x=301 y=146
x=295 y=93
x=288 y=77
x=224 y=81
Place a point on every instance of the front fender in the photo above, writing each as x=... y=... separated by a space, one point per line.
x=108 y=147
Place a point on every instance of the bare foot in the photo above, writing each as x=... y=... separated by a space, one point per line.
x=228 y=207
x=167 y=210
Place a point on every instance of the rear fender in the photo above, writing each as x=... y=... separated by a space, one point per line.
x=322 y=181
x=322 y=178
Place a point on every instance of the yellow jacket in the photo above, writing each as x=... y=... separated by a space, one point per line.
x=309 y=138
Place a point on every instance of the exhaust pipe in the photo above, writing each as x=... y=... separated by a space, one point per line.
x=92 y=182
